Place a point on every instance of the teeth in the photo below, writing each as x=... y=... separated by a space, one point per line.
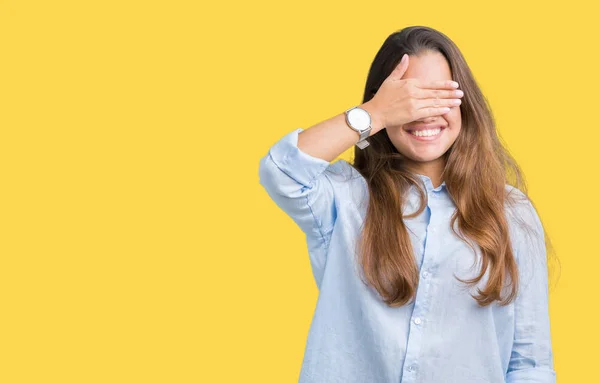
x=426 y=133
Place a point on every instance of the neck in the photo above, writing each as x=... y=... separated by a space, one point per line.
x=432 y=169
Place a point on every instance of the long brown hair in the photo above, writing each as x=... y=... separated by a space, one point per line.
x=477 y=170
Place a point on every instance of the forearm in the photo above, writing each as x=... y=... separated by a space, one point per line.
x=332 y=137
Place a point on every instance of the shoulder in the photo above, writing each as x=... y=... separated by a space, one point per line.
x=523 y=218
x=518 y=205
x=348 y=183
x=513 y=191
x=341 y=171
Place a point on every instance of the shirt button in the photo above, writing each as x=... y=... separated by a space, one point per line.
x=418 y=320
x=425 y=274
x=412 y=367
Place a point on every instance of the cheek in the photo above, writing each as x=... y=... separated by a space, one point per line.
x=454 y=118
x=454 y=114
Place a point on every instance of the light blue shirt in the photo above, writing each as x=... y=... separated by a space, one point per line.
x=443 y=336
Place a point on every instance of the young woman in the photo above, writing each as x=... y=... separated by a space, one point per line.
x=425 y=216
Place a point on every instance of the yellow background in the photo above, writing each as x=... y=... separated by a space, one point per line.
x=136 y=242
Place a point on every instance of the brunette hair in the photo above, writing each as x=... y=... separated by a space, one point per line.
x=477 y=170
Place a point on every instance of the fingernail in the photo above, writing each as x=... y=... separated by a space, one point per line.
x=454 y=84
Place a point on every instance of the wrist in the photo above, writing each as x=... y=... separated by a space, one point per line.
x=377 y=122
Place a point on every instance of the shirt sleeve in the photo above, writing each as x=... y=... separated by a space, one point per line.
x=296 y=182
x=532 y=357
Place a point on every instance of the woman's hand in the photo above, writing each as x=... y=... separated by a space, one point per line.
x=400 y=101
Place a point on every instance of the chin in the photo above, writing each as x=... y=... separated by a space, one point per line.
x=424 y=158
x=423 y=155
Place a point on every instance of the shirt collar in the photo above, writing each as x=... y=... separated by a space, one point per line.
x=429 y=184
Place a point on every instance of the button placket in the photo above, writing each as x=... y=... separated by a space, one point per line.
x=423 y=300
x=428 y=263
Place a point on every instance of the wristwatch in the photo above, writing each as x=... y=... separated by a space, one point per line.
x=359 y=120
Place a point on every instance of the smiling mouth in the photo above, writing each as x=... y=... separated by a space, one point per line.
x=425 y=133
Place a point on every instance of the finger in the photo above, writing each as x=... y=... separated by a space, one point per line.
x=437 y=84
x=429 y=112
x=438 y=93
x=400 y=69
x=438 y=102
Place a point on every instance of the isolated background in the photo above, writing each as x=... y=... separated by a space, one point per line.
x=136 y=244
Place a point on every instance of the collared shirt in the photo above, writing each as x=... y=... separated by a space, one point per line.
x=443 y=336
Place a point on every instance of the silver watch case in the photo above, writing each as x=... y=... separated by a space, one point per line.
x=359 y=120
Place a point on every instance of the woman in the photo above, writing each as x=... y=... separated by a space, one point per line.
x=401 y=239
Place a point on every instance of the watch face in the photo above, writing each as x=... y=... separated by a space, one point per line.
x=359 y=118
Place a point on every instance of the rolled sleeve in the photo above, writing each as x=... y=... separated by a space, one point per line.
x=537 y=375
x=532 y=357
x=303 y=168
